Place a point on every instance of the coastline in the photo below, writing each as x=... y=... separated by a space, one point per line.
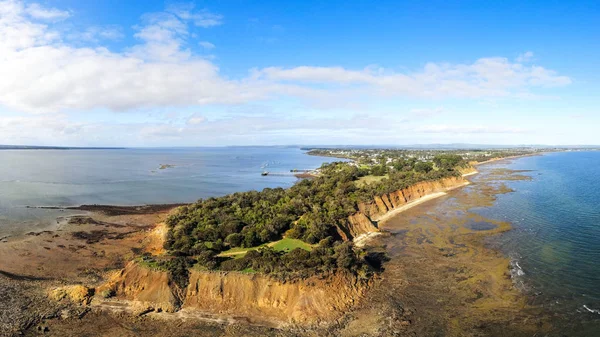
x=446 y=270
x=113 y=210
x=493 y=160
x=119 y=234
x=411 y=204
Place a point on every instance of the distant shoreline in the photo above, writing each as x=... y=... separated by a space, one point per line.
x=493 y=160
x=19 y=147
x=114 y=210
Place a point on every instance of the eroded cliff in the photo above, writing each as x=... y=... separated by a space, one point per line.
x=364 y=221
x=144 y=287
x=302 y=301
x=253 y=296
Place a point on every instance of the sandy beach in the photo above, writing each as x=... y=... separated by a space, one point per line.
x=417 y=202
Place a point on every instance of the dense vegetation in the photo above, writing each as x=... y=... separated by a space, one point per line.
x=310 y=211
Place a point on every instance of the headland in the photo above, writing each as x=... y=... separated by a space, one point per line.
x=440 y=276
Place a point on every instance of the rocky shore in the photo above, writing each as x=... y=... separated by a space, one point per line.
x=441 y=280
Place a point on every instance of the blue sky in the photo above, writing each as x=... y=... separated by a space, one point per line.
x=155 y=73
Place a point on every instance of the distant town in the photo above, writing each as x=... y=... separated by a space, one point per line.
x=368 y=157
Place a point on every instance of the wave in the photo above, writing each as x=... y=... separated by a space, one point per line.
x=520 y=271
x=517 y=273
x=593 y=311
x=515 y=267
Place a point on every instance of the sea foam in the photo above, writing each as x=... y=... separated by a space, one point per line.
x=593 y=311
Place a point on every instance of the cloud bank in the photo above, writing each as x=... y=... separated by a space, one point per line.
x=47 y=72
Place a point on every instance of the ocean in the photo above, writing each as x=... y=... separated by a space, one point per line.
x=133 y=177
x=554 y=245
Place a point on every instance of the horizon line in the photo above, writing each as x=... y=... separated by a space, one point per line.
x=375 y=146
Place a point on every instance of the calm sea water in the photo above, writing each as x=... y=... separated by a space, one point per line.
x=555 y=243
x=133 y=177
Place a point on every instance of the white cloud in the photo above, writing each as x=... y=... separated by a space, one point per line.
x=40 y=73
x=44 y=129
x=427 y=112
x=206 y=19
x=17 y=32
x=486 y=77
x=264 y=126
x=43 y=73
x=525 y=57
x=316 y=74
x=462 y=129
x=206 y=45
x=202 y=18
x=196 y=120
x=36 y=11
x=97 y=34
x=52 y=129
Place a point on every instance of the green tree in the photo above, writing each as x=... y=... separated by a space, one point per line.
x=423 y=167
x=234 y=240
x=379 y=170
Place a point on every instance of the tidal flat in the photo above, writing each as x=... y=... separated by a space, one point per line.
x=443 y=279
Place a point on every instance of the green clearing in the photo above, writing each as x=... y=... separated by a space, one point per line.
x=283 y=245
x=367 y=180
x=287 y=245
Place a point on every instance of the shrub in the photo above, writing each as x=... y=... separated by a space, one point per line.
x=178 y=270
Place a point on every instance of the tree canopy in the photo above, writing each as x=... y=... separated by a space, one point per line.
x=310 y=211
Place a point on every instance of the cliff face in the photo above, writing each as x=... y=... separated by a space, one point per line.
x=468 y=170
x=368 y=214
x=146 y=288
x=252 y=296
x=357 y=224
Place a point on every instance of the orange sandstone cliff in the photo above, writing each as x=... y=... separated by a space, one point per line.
x=365 y=220
x=144 y=287
x=253 y=296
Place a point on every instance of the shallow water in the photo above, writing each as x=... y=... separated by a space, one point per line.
x=555 y=242
x=480 y=225
x=133 y=177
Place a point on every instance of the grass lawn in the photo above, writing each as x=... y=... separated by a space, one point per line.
x=287 y=245
x=283 y=245
x=366 y=180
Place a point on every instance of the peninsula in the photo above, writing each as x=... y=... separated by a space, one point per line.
x=297 y=258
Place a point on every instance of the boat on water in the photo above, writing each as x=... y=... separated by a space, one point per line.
x=265 y=173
